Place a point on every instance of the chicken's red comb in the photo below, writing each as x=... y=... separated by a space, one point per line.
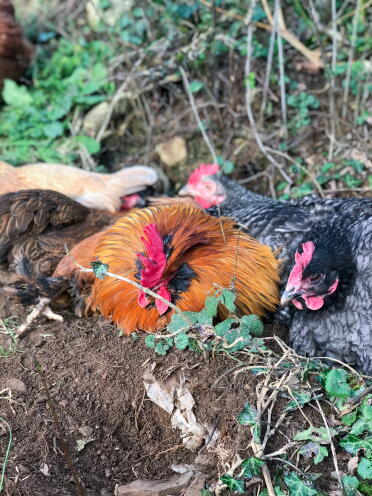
x=154 y=261
x=203 y=170
x=302 y=260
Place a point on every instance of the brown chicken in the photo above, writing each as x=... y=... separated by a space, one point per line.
x=15 y=51
x=92 y=189
x=38 y=225
x=180 y=253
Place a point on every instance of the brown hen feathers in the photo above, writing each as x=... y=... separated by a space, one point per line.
x=197 y=258
x=38 y=224
x=15 y=51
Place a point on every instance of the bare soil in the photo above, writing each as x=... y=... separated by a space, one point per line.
x=94 y=377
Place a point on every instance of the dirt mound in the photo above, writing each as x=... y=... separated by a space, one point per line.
x=115 y=434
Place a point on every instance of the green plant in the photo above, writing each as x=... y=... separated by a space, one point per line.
x=230 y=335
x=35 y=121
x=302 y=103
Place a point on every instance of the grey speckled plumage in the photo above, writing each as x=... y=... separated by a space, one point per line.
x=342 y=329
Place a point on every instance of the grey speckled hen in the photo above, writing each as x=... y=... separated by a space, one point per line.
x=326 y=245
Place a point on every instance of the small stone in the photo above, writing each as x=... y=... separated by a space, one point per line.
x=86 y=431
x=94 y=118
x=107 y=473
x=173 y=151
x=44 y=469
x=16 y=385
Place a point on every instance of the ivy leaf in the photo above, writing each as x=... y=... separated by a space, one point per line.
x=365 y=469
x=211 y=304
x=179 y=322
x=301 y=399
x=350 y=484
x=252 y=467
x=361 y=426
x=228 y=298
x=150 y=341
x=248 y=416
x=100 y=269
x=316 y=449
x=297 y=487
x=350 y=418
x=181 y=341
x=365 y=488
x=252 y=324
x=352 y=444
x=316 y=434
x=233 y=484
x=336 y=384
x=161 y=347
x=195 y=86
x=224 y=326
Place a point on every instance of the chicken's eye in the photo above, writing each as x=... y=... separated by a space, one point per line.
x=315 y=278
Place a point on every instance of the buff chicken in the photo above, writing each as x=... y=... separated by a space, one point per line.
x=180 y=253
x=92 y=189
x=15 y=51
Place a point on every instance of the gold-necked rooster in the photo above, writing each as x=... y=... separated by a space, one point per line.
x=179 y=252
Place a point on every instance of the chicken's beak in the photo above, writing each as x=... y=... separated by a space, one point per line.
x=185 y=191
x=288 y=296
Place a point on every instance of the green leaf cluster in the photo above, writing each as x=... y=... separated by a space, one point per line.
x=35 y=121
x=231 y=335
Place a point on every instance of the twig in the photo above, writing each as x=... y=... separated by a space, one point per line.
x=291 y=465
x=115 y=100
x=267 y=74
x=253 y=178
x=196 y=115
x=203 y=132
x=354 y=402
x=347 y=190
x=330 y=440
x=248 y=98
x=332 y=86
x=341 y=19
x=41 y=308
x=138 y=286
x=350 y=58
x=282 y=450
x=306 y=171
x=311 y=55
x=277 y=13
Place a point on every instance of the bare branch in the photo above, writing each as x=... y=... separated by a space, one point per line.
x=196 y=115
x=248 y=99
x=350 y=58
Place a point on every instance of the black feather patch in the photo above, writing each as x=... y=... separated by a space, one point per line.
x=182 y=280
x=139 y=267
x=167 y=240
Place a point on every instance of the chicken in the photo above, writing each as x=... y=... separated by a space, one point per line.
x=92 y=189
x=15 y=51
x=181 y=254
x=38 y=225
x=326 y=247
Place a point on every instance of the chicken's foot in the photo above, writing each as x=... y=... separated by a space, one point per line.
x=42 y=308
